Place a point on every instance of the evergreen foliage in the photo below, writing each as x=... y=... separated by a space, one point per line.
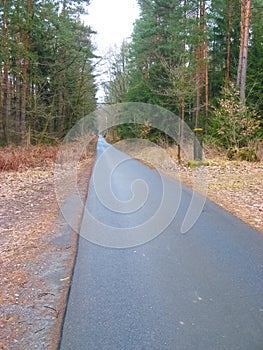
x=47 y=80
x=234 y=125
x=184 y=56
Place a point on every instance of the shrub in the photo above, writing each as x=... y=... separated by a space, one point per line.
x=17 y=157
x=244 y=153
x=197 y=163
x=234 y=125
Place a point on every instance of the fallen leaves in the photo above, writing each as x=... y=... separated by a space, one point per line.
x=237 y=186
x=35 y=272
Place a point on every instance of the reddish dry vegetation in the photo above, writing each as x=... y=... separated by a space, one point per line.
x=17 y=158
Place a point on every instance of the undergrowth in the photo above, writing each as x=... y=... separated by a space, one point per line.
x=15 y=158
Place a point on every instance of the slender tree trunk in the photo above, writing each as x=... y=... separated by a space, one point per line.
x=25 y=65
x=17 y=96
x=198 y=71
x=247 y=10
x=229 y=32
x=241 y=47
x=202 y=87
x=181 y=126
x=206 y=78
x=61 y=119
x=206 y=93
x=5 y=84
x=23 y=130
x=202 y=63
x=60 y=113
x=197 y=107
x=6 y=102
x=243 y=55
x=1 y=99
x=181 y=131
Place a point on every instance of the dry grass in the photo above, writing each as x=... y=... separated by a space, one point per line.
x=13 y=158
x=18 y=158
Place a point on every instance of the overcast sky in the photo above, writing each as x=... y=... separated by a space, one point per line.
x=112 y=20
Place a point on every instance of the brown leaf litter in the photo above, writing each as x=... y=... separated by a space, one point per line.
x=37 y=253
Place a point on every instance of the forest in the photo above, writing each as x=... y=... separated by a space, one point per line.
x=199 y=59
x=47 y=80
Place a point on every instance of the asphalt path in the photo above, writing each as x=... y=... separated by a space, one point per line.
x=202 y=290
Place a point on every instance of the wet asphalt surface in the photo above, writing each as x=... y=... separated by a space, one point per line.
x=201 y=290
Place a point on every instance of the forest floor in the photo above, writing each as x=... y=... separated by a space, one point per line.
x=237 y=186
x=37 y=254
x=38 y=247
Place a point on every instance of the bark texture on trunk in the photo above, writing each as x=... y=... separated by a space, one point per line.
x=243 y=53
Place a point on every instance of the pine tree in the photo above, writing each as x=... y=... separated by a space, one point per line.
x=47 y=80
x=243 y=54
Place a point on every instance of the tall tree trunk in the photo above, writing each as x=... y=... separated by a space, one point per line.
x=241 y=46
x=181 y=123
x=23 y=130
x=60 y=126
x=247 y=10
x=202 y=64
x=6 y=102
x=17 y=95
x=230 y=11
x=243 y=53
x=198 y=71
x=5 y=82
x=206 y=77
x=206 y=92
x=25 y=65
x=1 y=101
x=183 y=76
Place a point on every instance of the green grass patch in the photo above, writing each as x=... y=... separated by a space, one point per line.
x=197 y=163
